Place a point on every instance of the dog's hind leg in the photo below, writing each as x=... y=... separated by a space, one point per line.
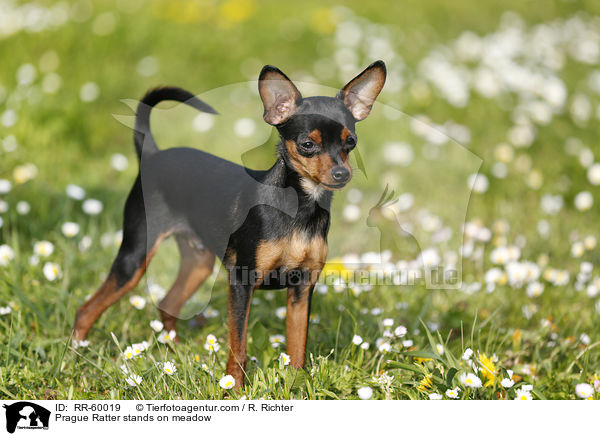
x=196 y=265
x=135 y=253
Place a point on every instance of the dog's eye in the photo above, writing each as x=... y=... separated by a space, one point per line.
x=307 y=146
x=350 y=143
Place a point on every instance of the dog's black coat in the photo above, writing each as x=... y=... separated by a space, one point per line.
x=274 y=221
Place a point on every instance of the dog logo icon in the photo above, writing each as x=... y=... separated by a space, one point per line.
x=26 y=415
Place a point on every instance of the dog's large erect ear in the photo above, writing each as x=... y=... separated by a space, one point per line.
x=279 y=95
x=360 y=93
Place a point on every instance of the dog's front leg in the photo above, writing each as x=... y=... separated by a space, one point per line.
x=240 y=295
x=297 y=317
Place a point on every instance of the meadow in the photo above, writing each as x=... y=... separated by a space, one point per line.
x=480 y=161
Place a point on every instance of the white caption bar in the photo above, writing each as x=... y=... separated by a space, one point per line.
x=288 y=417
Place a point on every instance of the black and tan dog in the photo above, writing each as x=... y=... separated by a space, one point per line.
x=269 y=228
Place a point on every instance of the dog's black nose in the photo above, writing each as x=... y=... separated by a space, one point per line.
x=340 y=174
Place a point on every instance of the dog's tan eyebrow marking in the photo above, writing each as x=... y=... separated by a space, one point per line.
x=345 y=133
x=315 y=135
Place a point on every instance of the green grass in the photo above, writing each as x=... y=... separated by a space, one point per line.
x=200 y=49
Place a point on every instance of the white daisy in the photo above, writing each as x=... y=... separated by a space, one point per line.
x=357 y=340
x=365 y=393
x=400 y=331
x=284 y=358
x=478 y=183
x=51 y=271
x=209 y=312
x=137 y=349
x=280 y=312
x=134 y=380
x=584 y=390
x=147 y=66
x=467 y=354
x=385 y=347
x=203 y=122
x=577 y=249
x=169 y=368
x=80 y=344
x=244 y=127
x=435 y=396
x=23 y=208
x=535 y=289
x=128 y=353
x=227 y=382
x=552 y=204
x=584 y=201
x=212 y=344
x=589 y=242
x=499 y=255
x=351 y=213
x=522 y=394
x=43 y=248
x=398 y=153
x=5 y=310
x=156 y=325
x=75 y=192
x=165 y=336
x=593 y=174
x=6 y=255
x=452 y=393
x=89 y=92
x=507 y=383
x=85 y=243
x=470 y=380
x=70 y=229
x=137 y=302
x=91 y=206
x=119 y=162
x=276 y=340
x=5 y=186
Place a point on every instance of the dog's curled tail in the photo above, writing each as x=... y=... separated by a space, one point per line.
x=143 y=139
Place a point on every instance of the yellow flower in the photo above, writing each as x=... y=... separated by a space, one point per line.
x=24 y=173
x=426 y=383
x=499 y=241
x=236 y=11
x=335 y=268
x=488 y=368
x=516 y=337
x=184 y=11
x=323 y=21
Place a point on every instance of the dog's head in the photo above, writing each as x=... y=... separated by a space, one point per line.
x=318 y=132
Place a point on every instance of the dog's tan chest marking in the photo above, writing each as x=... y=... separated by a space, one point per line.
x=295 y=251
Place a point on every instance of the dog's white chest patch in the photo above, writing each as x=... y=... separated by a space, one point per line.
x=314 y=190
